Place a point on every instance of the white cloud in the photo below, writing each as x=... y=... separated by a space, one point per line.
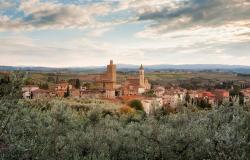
x=192 y=13
x=225 y=34
x=99 y=32
x=47 y=15
x=22 y=50
x=5 y=5
x=142 y=6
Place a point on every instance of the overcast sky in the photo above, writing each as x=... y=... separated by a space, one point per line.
x=61 y=33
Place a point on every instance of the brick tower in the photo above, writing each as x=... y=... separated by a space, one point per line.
x=141 y=76
x=110 y=84
x=111 y=71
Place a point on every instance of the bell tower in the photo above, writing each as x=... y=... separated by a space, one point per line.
x=141 y=76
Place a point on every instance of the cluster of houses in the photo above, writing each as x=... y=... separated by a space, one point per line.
x=59 y=90
x=133 y=88
x=105 y=87
x=173 y=96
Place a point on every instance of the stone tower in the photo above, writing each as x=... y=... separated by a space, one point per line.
x=111 y=71
x=110 y=84
x=141 y=76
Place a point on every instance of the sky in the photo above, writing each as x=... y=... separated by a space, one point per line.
x=78 y=33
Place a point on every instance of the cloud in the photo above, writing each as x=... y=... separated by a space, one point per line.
x=22 y=50
x=233 y=32
x=6 y=23
x=99 y=32
x=194 y=14
x=142 y=5
x=202 y=26
x=165 y=15
x=5 y=4
x=36 y=14
x=156 y=31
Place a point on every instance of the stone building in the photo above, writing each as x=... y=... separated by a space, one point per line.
x=150 y=105
x=174 y=97
x=246 y=94
x=107 y=81
x=40 y=93
x=159 y=91
x=136 y=85
x=61 y=88
x=207 y=96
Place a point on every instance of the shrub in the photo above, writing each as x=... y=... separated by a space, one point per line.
x=126 y=110
x=136 y=104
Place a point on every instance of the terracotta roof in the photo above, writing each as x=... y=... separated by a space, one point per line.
x=131 y=97
x=91 y=91
x=31 y=86
x=40 y=91
x=62 y=84
x=221 y=90
x=105 y=80
x=133 y=81
x=159 y=89
x=207 y=94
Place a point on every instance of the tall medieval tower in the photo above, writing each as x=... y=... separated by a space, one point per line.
x=141 y=76
x=111 y=71
x=111 y=76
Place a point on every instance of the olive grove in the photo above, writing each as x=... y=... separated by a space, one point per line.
x=57 y=131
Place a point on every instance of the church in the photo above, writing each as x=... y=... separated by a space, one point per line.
x=132 y=86
x=136 y=85
x=107 y=80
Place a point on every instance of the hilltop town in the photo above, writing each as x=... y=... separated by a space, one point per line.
x=136 y=87
x=134 y=114
x=124 y=80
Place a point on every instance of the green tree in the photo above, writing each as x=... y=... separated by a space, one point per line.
x=87 y=85
x=78 y=84
x=149 y=93
x=241 y=98
x=64 y=131
x=235 y=91
x=44 y=86
x=57 y=79
x=136 y=104
x=51 y=79
x=67 y=93
x=29 y=81
x=187 y=98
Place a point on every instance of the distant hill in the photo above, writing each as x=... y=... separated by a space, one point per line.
x=203 y=67
x=126 y=67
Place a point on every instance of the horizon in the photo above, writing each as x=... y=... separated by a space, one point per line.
x=121 y=64
x=78 y=33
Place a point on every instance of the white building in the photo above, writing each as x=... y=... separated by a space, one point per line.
x=246 y=93
x=26 y=90
x=150 y=105
x=173 y=97
x=159 y=91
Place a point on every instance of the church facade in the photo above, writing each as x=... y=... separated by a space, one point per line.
x=136 y=85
